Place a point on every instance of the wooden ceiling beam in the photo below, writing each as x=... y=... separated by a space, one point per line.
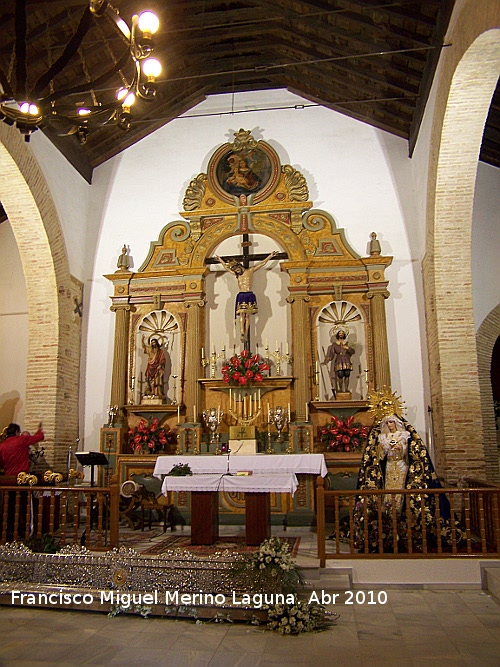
x=357 y=21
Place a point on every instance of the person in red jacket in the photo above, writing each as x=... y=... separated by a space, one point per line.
x=14 y=450
x=14 y=456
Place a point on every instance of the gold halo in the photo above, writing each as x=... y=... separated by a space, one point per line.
x=383 y=403
x=339 y=327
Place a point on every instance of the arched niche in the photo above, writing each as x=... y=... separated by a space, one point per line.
x=164 y=327
x=347 y=316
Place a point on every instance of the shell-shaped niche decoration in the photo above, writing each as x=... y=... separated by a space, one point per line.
x=159 y=324
x=339 y=312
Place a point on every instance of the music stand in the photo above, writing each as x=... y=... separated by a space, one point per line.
x=91 y=459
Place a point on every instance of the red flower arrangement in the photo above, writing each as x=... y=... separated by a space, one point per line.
x=343 y=436
x=150 y=438
x=244 y=369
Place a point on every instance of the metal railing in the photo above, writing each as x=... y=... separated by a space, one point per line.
x=409 y=523
x=83 y=515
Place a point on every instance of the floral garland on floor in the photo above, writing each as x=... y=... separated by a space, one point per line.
x=273 y=563
x=244 y=369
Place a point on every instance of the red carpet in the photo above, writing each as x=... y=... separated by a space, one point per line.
x=232 y=543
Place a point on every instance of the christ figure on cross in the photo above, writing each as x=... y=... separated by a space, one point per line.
x=246 y=301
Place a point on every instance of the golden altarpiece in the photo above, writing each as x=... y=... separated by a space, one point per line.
x=246 y=192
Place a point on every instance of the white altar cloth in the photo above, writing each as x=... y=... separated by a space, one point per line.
x=271 y=464
x=281 y=483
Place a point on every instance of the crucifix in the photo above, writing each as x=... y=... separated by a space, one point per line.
x=246 y=301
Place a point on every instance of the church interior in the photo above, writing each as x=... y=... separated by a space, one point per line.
x=226 y=302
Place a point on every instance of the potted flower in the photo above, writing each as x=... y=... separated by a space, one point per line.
x=343 y=436
x=150 y=437
x=244 y=369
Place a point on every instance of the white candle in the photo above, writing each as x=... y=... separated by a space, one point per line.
x=267 y=344
x=178 y=414
x=214 y=348
x=307 y=412
x=276 y=345
x=259 y=398
x=289 y=412
x=287 y=348
x=194 y=413
x=202 y=352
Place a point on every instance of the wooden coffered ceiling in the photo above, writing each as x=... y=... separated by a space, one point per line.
x=368 y=59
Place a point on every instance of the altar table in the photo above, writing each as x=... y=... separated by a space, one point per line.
x=204 y=501
x=270 y=473
x=309 y=464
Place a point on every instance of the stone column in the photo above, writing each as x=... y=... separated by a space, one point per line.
x=192 y=368
x=301 y=354
x=382 y=370
x=119 y=377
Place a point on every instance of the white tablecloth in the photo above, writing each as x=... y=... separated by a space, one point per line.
x=281 y=483
x=309 y=464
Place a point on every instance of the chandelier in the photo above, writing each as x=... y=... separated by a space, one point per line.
x=63 y=109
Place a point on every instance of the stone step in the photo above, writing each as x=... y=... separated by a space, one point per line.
x=327 y=579
x=491 y=580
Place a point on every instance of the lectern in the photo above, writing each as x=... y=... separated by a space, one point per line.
x=91 y=459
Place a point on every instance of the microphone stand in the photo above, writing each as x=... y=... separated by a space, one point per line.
x=227 y=471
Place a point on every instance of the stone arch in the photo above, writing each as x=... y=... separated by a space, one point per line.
x=487 y=335
x=468 y=75
x=53 y=327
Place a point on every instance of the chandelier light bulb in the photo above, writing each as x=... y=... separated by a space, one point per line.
x=27 y=108
x=123 y=27
x=83 y=112
x=121 y=94
x=128 y=101
x=151 y=68
x=148 y=23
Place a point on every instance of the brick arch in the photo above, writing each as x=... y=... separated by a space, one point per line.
x=53 y=331
x=486 y=337
x=468 y=76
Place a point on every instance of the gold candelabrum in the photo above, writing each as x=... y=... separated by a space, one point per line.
x=212 y=418
x=212 y=359
x=316 y=381
x=244 y=407
x=278 y=356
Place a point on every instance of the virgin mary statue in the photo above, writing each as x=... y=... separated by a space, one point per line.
x=395 y=458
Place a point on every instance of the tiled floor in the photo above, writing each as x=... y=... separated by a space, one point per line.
x=414 y=628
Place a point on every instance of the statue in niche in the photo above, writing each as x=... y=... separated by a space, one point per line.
x=339 y=355
x=155 y=370
x=246 y=301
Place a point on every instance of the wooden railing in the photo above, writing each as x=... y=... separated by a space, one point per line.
x=83 y=515
x=367 y=524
